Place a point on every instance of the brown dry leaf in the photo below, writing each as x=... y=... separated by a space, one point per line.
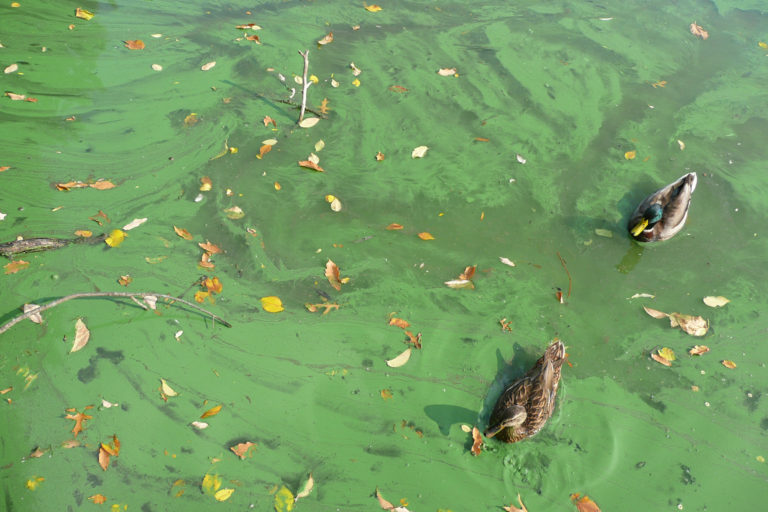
x=399 y=322
x=6 y=390
x=584 y=504
x=324 y=109
x=477 y=441
x=102 y=185
x=332 y=273
x=205 y=184
x=213 y=411
x=468 y=272
x=254 y=38
x=15 y=266
x=699 y=350
x=125 y=280
x=263 y=150
x=693 y=325
x=415 y=340
x=394 y=226
x=728 y=364
x=400 y=359
x=37 y=453
x=211 y=248
x=310 y=165
x=136 y=44
x=103 y=457
x=71 y=443
x=268 y=120
x=325 y=40
x=426 y=236
x=243 y=449
x=512 y=508
x=82 y=335
x=79 y=418
x=699 y=31
x=379 y=156
x=183 y=233
x=98 y=499
x=661 y=359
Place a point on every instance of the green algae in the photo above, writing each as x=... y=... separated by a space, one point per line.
x=558 y=83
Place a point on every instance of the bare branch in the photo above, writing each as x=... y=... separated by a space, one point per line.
x=305 y=84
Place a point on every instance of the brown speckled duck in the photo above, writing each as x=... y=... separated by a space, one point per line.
x=526 y=405
x=662 y=214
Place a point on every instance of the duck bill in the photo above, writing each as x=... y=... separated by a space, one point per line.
x=639 y=227
x=493 y=430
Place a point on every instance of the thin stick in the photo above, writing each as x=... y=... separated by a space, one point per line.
x=570 y=282
x=306 y=109
x=305 y=84
x=131 y=295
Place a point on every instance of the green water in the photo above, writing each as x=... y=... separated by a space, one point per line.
x=567 y=85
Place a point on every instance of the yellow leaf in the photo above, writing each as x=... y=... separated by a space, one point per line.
x=426 y=236
x=314 y=79
x=386 y=394
x=211 y=484
x=629 y=155
x=284 y=500
x=729 y=364
x=667 y=353
x=115 y=238
x=372 y=8
x=763 y=45
x=272 y=304
x=356 y=82
x=223 y=495
x=213 y=411
x=33 y=483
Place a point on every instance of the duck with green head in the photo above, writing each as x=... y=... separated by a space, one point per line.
x=662 y=214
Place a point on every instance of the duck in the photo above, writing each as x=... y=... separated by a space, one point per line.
x=526 y=404
x=662 y=214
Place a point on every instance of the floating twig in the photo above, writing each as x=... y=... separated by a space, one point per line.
x=304 y=84
x=132 y=295
x=307 y=109
x=570 y=282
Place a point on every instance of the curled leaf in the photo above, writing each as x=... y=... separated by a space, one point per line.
x=166 y=389
x=333 y=275
x=661 y=359
x=400 y=360
x=307 y=164
x=34 y=317
x=306 y=489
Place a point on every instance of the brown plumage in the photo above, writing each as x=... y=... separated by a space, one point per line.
x=526 y=405
x=662 y=214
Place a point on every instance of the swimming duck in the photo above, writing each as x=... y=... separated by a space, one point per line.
x=662 y=214
x=526 y=405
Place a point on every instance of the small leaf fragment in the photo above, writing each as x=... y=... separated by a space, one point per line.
x=506 y=261
x=660 y=359
x=400 y=360
x=607 y=233
x=12 y=68
x=446 y=71
x=584 y=504
x=234 y=213
x=137 y=44
x=83 y=14
x=333 y=275
x=512 y=508
x=630 y=155
x=699 y=31
x=243 y=449
x=667 y=353
x=460 y=283
x=655 y=313
x=698 y=350
x=272 y=304
x=82 y=335
x=372 y=8
x=328 y=38
x=15 y=266
x=716 y=302
x=399 y=322
x=98 y=499
x=681 y=144
x=394 y=226
x=307 y=164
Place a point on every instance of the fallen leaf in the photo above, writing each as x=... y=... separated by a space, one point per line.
x=37 y=453
x=33 y=483
x=243 y=449
x=15 y=266
x=415 y=340
x=183 y=233
x=208 y=65
x=84 y=233
x=98 y=499
x=693 y=325
x=263 y=150
x=134 y=224
x=698 y=350
x=251 y=26
x=310 y=165
x=336 y=204
x=699 y=31
x=584 y=504
x=309 y=122
x=372 y=8
x=660 y=359
x=234 y=213
x=11 y=68
x=115 y=238
x=394 y=226
x=681 y=144
x=400 y=360
x=34 y=317
x=157 y=67
x=5 y=168
x=655 y=313
x=223 y=494
x=208 y=246
x=332 y=273
x=667 y=353
x=82 y=335
x=459 y=283
x=512 y=508
x=205 y=184
x=210 y=484
x=325 y=40
x=763 y=45
x=166 y=389
x=521 y=159
x=716 y=302
x=268 y=120
x=477 y=442
x=482 y=139
x=446 y=71
x=419 y=152
x=386 y=394
x=71 y=443
x=284 y=500
x=379 y=156
x=103 y=458
x=468 y=273
x=356 y=82
x=200 y=425
x=80 y=418
x=213 y=411
x=254 y=38
x=728 y=364
x=83 y=14
x=137 y=44
x=399 y=322
x=426 y=236
x=102 y=185
x=272 y=304
x=506 y=261
x=306 y=489
x=629 y=155
x=644 y=296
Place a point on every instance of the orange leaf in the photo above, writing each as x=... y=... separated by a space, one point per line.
x=584 y=504
x=386 y=394
x=426 y=236
x=5 y=168
x=200 y=296
x=728 y=364
x=629 y=155
x=661 y=359
x=102 y=185
x=242 y=449
x=332 y=273
x=468 y=272
x=699 y=350
x=398 y=88
x=98 y=499
x=80 y=419
x=310 y=165
x=15 y=266
x=477 y=441
x=211 y=248
x=183 y=233
x=268 y=120
x=379 y=156
x=416 y=340
x=398 y=322
x=103 y=458
x=481 y=139
x=254 y=38
x=84 y=233
x=213 y=285
x=263 y=150
x=394 y=226
x=137 y=44
x=205 y=261
x=213 y=411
